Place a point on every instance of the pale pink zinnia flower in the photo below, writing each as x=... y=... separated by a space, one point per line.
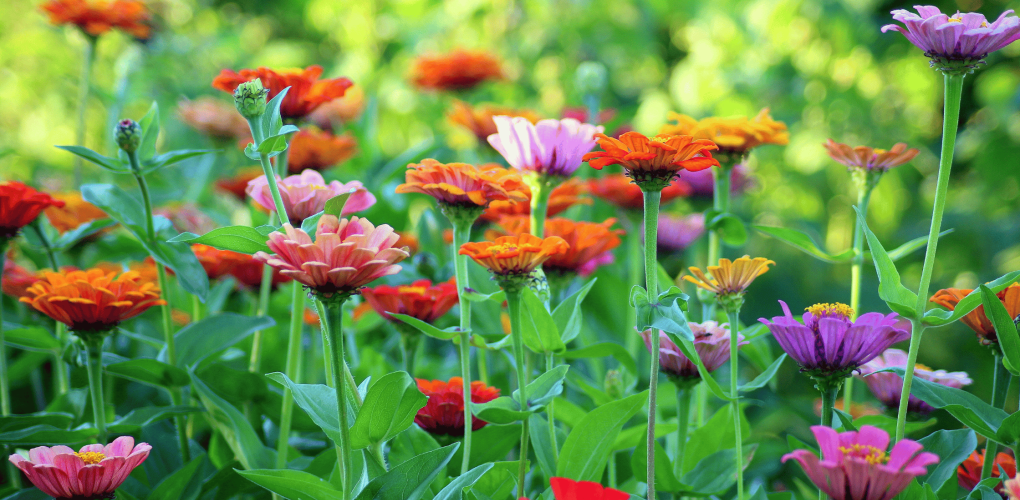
x=856 y=466
x=549 y=147
x=306 y=194
x=346 y=255
x=888 y=387
x=1012 y=488
x=94 y=472
x=965 y=37
x=711 y=341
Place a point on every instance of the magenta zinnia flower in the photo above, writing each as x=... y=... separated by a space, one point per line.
x=94 y=472
x=550 y=147
x=346 y=255
x=677 y=232
x=829 y=345
x=306 y=194
x=888 y=387
x=966 y=37
x=703 y=185
x=855 y=465
x=711 y=341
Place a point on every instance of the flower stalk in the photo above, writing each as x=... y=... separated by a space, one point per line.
x=60 y=370
x=13 y=475
x=651 y=223
x=734 y=319
x=684 y=397
x=461 y=235
x=863 y=198
x=1000 y=384
x=513 y=300
x=94 y=366
x=335 y=336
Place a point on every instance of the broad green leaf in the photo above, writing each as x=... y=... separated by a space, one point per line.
x=983 y=492
x=765 y=376
x=118 y=204
x=179 y=257
x=235 y=428
x=603 y=349
x=455 y=490
x=318 y=401
x=1005 y=329
x=144 y=416
x=507 y=409
x=311 y=223
x=729 y=227
x=667 y=313
x=105 y=162
x=568 y=314
x=715 y=473
x=427 y=329
x=271 y=121
x=72 y=237
x=1009 y=431
x=31 y=339
x=952 y=447
x=717 y=434
x=538 y=328
x=243 y=239
x=409 y=480
x=335 y=205
x=390 y=407
x=150 y=371
x=940 y=317
x=213 y=334
x=890 y=288
x=184 y=484
x=969 y=409
x=498 y=483
x=54 y=419
x=414 y=442
x=150 y=132
x=273 y=144
x=541 y=436
x=292 y=484
x=489 y=444
x=31 y=493
x=584 y=454
x=805 y=243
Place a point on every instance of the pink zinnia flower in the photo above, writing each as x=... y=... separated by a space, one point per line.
x=855 y=465
x=94 y=472
x=966 y=37
x=550 y=147
x=346 y=255
x=888 y=387
x=1012 y=488
x=677 y=232
x=711 y=340
x=306 y=194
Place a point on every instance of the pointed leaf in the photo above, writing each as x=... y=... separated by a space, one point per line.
x=890 y=288
x=765 y=376
x=111 y=164
x=427 y=329
x=335 y=205
x=538 y=328
x=1005 y=329
x=72 y=237
x=568 y=315
x=242 y=239
x=584 y=454
x=150 y=132
x=507 y=409
x=804 y=243
x=409 y=480
x=292 y=484
x=389 y=408
x=952 y=447
x=969 y=409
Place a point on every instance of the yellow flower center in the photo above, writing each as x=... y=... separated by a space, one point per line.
x=830 y=310
x=504 y=248
x=879 y=151
x=919 y=366
x=954 y=19
x=417 y=290
x=870 y=454
x=91 y=457
x=661 y=138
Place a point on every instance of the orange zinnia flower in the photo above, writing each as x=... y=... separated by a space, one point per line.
x=458 y=70
x=19 y=206
x=421 y=299
x=562 y=197
x=318 y=150
x=461 y=184
x=969 y=472
x=238 y=184
x=218 y=263
x=479 y=119
x=621 y=191
x=590 y=244
x=730 y=278
x=734 y=136
x=514 y=255
x=306 y=92
x=443 y=414
x=93 y=300
x=16 y=279
x=870 y=159
x=98 y=17
x=75 y=212
x=213 y=117
x=409 y=240
x=655 y=160
x=146 y=269
x=249 y=274
x=976 y=319
x=341 y=110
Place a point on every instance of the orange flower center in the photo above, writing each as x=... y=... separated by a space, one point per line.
x=91 y=457
x=919 y=366
x=831 y=310
x=868 y=453
x=417 y=290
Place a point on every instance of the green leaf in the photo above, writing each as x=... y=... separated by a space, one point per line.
x=940 y=317
x=243 y=239
x=1009 y=431
x=539 y=329
x=213 y=334
x=150 y=132
x=455 y=490
x=335 y=205
x=318 y=401
x=150 y=371
x=1005 y=329
x=888 y=424
x=603 y=349
x=54 y=419
x=765 y=376
x=687 y=347
x=805 y=243
x=568 y=315
x=119 y=205
x=587 y=448
x=890 y=289
x=31 y=339
x=427 y=329
x=507 y=409
x=46 y=435
x=184 y=484
x=498 y=483
x=144 y=416
x=310 y=224
x=273 y=144
x=72 y=237
x=715 y=473
x=952 y=447
x=179 y=257
x=717 y=434
x=292 y=484
x=390 y=407
x=969 y=409
x=409 y=480
x=665 y=479
x=912 y=245
x=172 y=157
x=271 y=122
x=983 y=492
x=235 y=428
x=105 y=162
x=667 y=313
x=729 y=227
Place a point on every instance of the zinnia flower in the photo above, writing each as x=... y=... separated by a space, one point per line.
x=421 y=299
x=347 y=254
x=589 y=244
x=248 y=273
x=677 y=232
x=238 y=184
x=443 y=414
x=549 y=147
x=94 y=472
x=568 y=489
x=856 y=465
x=463 y=185
x=306 y=92
x=711 y=341
x=976 y=319
x=653 y=162
x=963 y=38
x=187 y=217
x=317 y=150
x=218 y=263
x=828 y=344
x=702 y=185
x=511 y=256
x=75 y=212
x=306 y=194
x=480 y=119
x=730 y=279
x=93 y=300
x=341 y=110
x=969 y=472
x=563 y=196
x=16 y=279
x=735 y=136
x=457 y=70
x=870 y=159
x=857 y=410
x=213 y=117
x=1012 y=488
x=19 y=206
x=98 y=17
x=888 y=386
x=621 y=191
x=409 y=240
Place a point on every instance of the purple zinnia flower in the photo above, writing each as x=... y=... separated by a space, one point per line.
x=549 y=147
x=703 y=184
x=888 y=387
x=966 y=37
x=677 y=232
x=711 y=341
x=829 y=345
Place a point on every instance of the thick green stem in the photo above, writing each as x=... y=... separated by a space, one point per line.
x=408 y=351
x=540 y=192
x=651 y=226
x=863 y=197
x=483 y=366
x=734 y=319
x=828 y=404
x=950 y=122
x=683 y=415
x=94 y=366
x=83 y=97
x=461 y=235
x=291 y=369
x=549 y=362
x=336 y=352
x=1000 y=384
x=513 y=300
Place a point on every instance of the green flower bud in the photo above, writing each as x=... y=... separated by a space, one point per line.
x=128 y=134
x=590 y=78
x=250 y=99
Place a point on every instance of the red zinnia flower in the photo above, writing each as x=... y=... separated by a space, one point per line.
x=19 y=206
x=421 y=299
x=619 y=190
x=306 y=92
x=318 y=150
x=16 y=279
x=93 y=300
x=97 y=18
x=969 y=472
x=458 y=70
x=238 y=184
x=444 y=412
x=568 y=489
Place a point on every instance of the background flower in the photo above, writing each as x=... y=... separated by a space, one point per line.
x=93 y=300
x=457 y=70
x=711 y=341
x=420 y=299
x=307 y=92
x=19 y=206
x=443 y=414
x=306 y=194
x=549 y=147
x=97 y=18
x=95 y=471
x=888 y=387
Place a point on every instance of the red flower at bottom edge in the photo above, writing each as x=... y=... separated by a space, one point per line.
x=444 y=412
x=969 y=472
x=568 y=489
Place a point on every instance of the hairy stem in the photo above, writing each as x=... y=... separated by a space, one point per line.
x=651 y=226
x=513 y=299
x=13 y=473
x=734 y=319
x=461 y=235
x=291 y=369
x=94 y=367
x=683 y=415
x=336 y=352
x=549 y=362
x=863 y=197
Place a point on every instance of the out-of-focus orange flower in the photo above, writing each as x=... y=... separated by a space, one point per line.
x=514 y=255
x=93 y=300
x=180 y=318
x=146 y=269
x=318 y=150
x=306 y=92
x=341 y=110
x=443 y=414
x=218 y=263
x=461 y=184
x=187 y=217
x=730 y=277
x=16 y=279
x=249 y=274
x=857 y=410
x=563 y=196
x=734 y=136
x=976 y=319
x=213 y=117
x=457 y=70
x=657 y=159
x=421 y=299
x=448 y=236
x=19 y=206
x=238 y=184
x=969 y=472
x=310 y=318
x=96 y=17
x=479 y=121
x=870 y=159
x=621 y=191
x=590 y=244
x=75 y=212
x=409 y=240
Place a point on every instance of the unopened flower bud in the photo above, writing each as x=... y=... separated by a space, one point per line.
x=590 y=78
x=250 y=99
x=614 y=384
x=128 y=134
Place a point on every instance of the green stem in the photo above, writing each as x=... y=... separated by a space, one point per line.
x=683 y=415
x=61 y=373
x=461 y=235
x=94 y=366
x=483 y=366
x=549 y=362
x=83 y=97
x=828 y=403
x=13 y=473
x=274 y=188
x=1000 y=384
x=336 y=352
x=291 y=369
x=634 y=270
x=408 y=351
x=651 y=226
x=950 y=122
x=540 y=192
x=513 y=300
x=734 y=319
x=863 y=197
x=721 y=204
x=265 y=287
